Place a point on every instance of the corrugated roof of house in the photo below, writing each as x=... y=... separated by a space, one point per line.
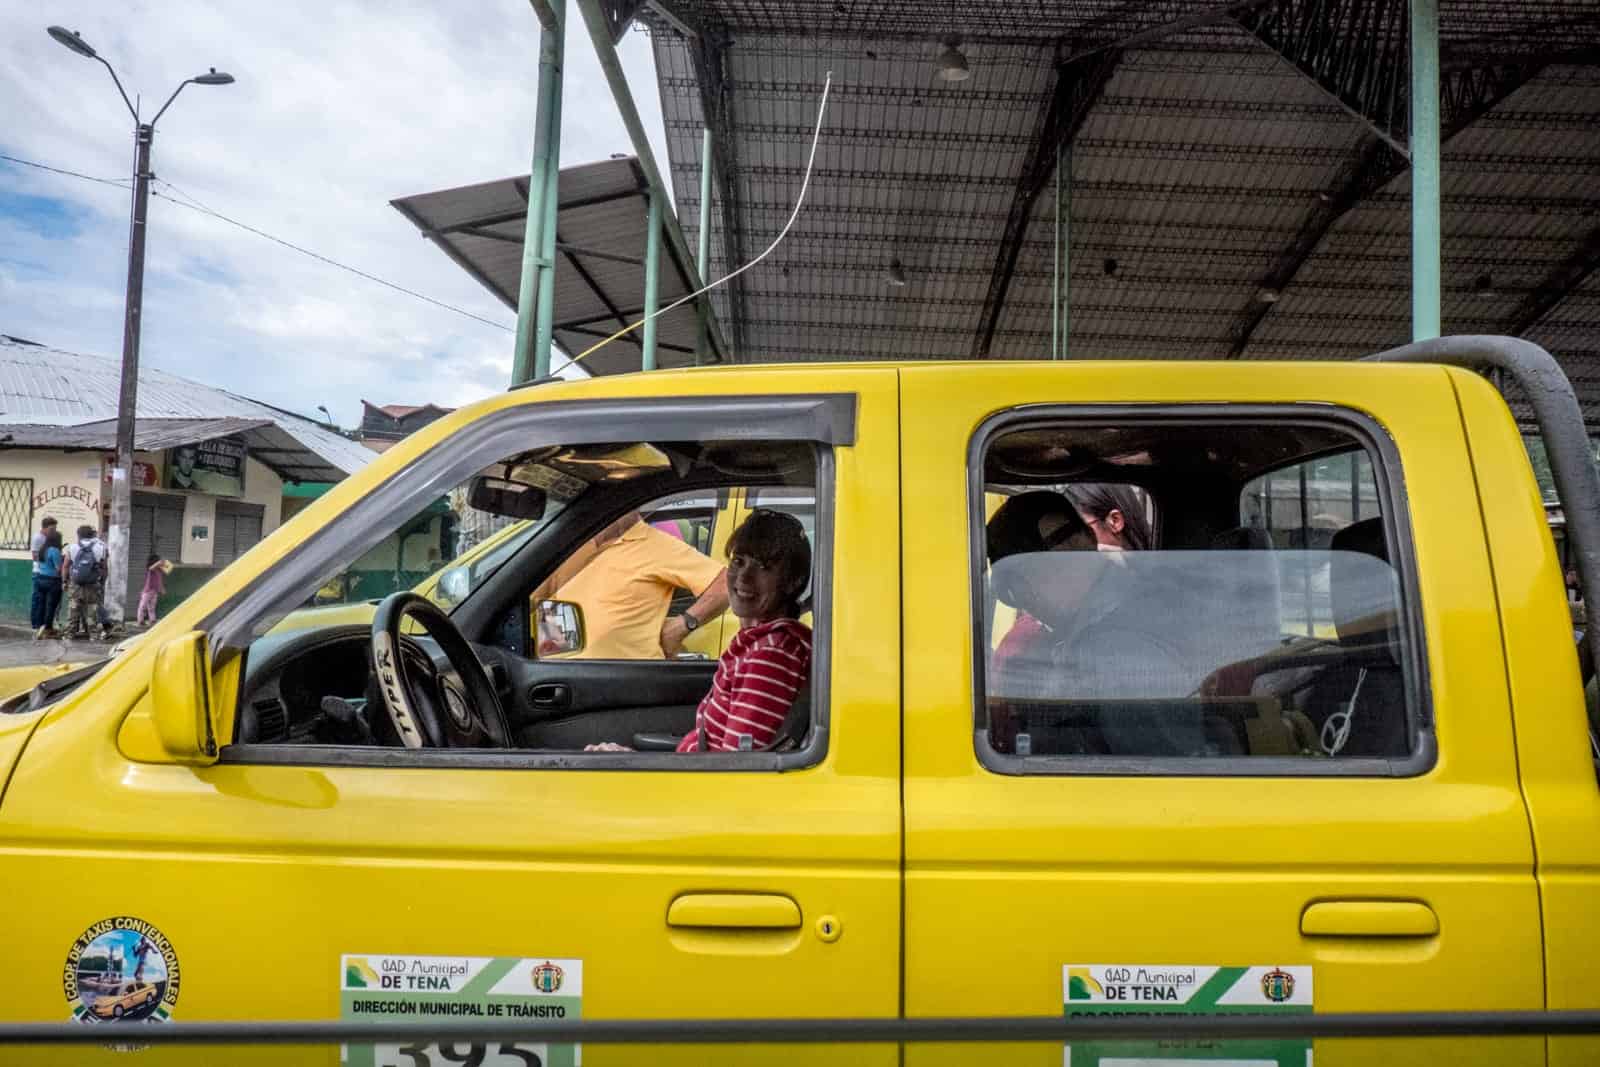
x=53 y=398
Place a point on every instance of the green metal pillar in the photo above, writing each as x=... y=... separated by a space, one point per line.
x=1425 y=225
x=652 y=279
x=1061 y=288
x=703 y=261
x=594 y=18
x=536 y=291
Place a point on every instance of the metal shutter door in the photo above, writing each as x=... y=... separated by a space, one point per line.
x=222 y=531
x=238 y=530
x=168 y=531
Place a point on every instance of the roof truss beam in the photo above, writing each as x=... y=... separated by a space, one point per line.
x=1358 y=52
x=1139 y=21
x=615 y=312
x=1557 y=286
x=1079 y=84
x=620 y=15
x=1375 y=164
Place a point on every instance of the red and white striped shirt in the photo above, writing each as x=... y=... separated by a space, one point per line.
x=756 y=681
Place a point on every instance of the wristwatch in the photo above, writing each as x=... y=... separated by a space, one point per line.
x=690 y=623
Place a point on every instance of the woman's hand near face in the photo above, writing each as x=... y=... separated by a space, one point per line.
x=607 y=746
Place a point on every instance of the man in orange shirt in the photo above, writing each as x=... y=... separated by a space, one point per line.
x=623 y=580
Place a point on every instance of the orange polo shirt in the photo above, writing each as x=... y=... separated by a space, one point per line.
x=626 y=589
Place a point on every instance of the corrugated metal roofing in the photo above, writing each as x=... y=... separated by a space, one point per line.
x=1203 y=159
x=50 y=398
x=600 y=234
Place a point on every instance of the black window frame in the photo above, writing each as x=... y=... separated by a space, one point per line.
x=1388 y=475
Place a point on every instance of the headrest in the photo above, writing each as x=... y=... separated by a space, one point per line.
x=1362 y=613
x=1242 y=539
x=1365 y=536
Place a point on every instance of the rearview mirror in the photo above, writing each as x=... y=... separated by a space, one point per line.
x=180 y=699
x=558 y=628
x=499 y=496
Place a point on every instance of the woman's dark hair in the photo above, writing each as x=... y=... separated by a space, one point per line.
x=53 y=538
x=777 y=540
x=1015 y=527
x=1099 y=499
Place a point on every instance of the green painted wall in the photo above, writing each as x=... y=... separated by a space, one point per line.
x=16 y=590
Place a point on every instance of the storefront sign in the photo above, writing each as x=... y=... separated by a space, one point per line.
x=70 y=505
x=215 y=467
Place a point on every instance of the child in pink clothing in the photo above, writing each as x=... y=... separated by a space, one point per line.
x=155 y=583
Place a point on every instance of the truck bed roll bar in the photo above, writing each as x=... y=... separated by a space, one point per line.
x=1566 y=440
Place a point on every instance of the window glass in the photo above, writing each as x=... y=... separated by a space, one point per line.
x=1266 y=621
x=650 y=565
x=1302 y=507
x=665 y=513
x=801 y=503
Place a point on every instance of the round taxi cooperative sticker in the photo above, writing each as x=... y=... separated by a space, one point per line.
x=121 y=970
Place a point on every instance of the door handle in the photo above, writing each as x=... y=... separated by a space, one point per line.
x=1369 y=918
x=550 y=696
x=743 y=911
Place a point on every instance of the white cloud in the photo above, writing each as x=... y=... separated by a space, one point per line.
x=338 y=109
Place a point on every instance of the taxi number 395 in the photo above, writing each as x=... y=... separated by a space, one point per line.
x=507 y=1054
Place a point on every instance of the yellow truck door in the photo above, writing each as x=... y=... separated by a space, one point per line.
x=294 y=887
x=1263 y=867
x=1555 y=746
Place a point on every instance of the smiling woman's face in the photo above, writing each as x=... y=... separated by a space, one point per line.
x=755 y=589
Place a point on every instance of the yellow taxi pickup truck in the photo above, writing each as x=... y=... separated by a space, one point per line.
x=1297 y=726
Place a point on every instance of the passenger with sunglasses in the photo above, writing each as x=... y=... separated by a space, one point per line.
x=1038 y=521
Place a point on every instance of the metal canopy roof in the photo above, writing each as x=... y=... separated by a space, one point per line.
x=1239 y=185
x=600 y=241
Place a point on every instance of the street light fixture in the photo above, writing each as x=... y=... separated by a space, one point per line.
x=127 y=397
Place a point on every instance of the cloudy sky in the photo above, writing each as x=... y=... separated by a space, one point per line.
x=338 y=108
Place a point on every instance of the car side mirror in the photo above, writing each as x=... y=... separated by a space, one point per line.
x=453 y=586
x=558 y=628
x=500 y=496
x=180 y=699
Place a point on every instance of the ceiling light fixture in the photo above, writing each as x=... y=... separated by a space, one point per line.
x=952 y=63
x=1266 y=295
x=1483 y=285
x=896 y=274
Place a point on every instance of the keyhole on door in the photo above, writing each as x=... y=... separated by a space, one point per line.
x=828 y=928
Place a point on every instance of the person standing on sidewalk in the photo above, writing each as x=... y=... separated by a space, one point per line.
x=36 y=608
x=155 y=583
x=47 y=584
x=83 y=575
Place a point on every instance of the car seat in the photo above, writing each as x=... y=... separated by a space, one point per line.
x=1359 y=705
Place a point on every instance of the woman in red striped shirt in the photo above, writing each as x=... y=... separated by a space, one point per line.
x=766 y=663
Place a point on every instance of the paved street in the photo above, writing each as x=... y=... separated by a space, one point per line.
x=19 y=649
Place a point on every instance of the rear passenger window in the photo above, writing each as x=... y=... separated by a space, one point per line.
x=1203 y=591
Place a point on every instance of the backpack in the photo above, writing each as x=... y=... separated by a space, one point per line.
x=85 y=568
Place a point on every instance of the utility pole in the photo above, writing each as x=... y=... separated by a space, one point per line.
x=127 y=395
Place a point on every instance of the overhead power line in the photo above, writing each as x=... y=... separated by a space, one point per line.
x=120 y=183
x=185 y=200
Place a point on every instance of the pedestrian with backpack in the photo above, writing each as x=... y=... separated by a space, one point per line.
x=83 y=574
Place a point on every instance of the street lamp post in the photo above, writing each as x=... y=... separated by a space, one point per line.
x=127 y=395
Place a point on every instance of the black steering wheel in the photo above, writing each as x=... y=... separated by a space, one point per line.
x=429 y=707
